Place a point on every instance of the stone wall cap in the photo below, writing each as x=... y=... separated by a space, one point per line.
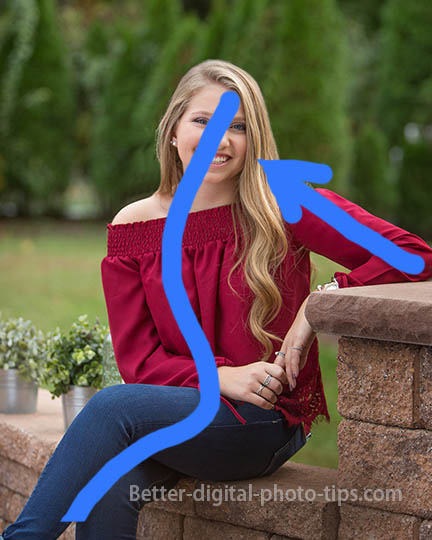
x=400 y=312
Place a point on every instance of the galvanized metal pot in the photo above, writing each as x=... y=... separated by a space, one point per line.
x=16 y=395
x=75 y=400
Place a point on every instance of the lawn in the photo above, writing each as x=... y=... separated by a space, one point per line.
x=50 y=274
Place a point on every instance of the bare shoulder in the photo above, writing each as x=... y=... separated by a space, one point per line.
x=141 y=210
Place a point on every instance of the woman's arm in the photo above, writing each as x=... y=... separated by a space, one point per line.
x=366 y=268
x=140 y=355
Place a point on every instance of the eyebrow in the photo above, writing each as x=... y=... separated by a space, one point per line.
x=210 y=114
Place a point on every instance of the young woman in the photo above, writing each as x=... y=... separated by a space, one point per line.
x=247 y=275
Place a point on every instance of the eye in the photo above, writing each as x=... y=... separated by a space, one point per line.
x=239 y=127
x=198 y=119
x=242 y=126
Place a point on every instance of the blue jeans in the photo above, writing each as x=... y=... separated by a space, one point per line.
x=119 y=415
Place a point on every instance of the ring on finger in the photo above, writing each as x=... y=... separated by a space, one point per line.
x=264 y=384
x=267 y=380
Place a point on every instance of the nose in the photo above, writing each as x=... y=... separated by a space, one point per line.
x=224 y=142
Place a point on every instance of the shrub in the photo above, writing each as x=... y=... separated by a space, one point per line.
x=22 y=347
x=74 y=358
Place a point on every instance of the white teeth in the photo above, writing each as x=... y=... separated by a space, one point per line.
x=220 y=160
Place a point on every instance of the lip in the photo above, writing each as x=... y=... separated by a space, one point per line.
x=219 y=155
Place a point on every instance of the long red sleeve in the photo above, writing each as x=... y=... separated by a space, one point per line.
x=367 y=269
x=139 y=353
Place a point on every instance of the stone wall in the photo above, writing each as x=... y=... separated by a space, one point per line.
x=384 y=373
x=27 y=441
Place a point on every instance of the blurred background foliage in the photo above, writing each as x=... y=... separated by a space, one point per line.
x=84 y=84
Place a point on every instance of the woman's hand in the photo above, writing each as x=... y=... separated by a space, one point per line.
x=243 y=382
x=299 y=335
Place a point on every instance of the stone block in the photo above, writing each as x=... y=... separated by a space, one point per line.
x=368 y=523
x=197 y=529
x=24 y=447
x=17 y=477
x=178 y=499
x=3 y=525
x=425 y=388
x=278 y=537
x=159 y=525
x=290 y=502
x=11 y=504
x=386 y=458
x=425 y=530
x=376 y=381
x=69 y=533
x=399 y=312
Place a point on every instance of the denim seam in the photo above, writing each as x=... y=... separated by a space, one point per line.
x=238 y=425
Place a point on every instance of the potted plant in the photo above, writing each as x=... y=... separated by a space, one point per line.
x=22 y=348
x=73 y=365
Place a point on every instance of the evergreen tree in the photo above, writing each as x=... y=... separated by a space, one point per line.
x=243 y=39
x=36 y=109
x=405 y=67
x=296 y=52
x=115 y=137
x=366 y=13
x=370 y=183
x=146 y=66
x=174 y=61
x=306 y=87
x=213 y=34
x=405 y=97
x=415 y=187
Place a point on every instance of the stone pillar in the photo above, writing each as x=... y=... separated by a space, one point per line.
x=384 y=373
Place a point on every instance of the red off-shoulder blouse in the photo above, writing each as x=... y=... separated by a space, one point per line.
x=148 y=345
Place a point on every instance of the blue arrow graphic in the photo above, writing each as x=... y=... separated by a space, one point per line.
x=177 y=297
x=286 y=178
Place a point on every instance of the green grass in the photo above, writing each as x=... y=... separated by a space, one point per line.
x=50 y=274
x=321 y=448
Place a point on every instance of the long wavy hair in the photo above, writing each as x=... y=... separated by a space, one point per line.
x=264 y=232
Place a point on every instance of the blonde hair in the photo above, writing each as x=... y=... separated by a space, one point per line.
x=262 y=223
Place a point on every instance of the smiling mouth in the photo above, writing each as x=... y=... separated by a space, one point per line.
x=220 y=161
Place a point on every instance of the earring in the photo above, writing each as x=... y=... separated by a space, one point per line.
x=173 y=143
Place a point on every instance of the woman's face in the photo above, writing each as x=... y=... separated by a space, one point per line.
x=191 y=126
